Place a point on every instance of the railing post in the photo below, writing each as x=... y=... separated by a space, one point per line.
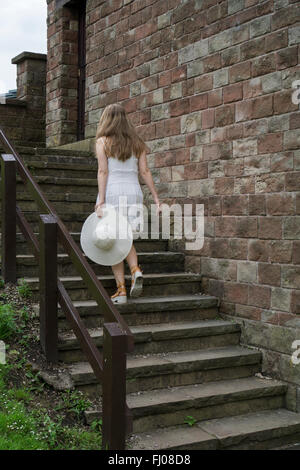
x=8 y=228
x=114 y=387
x=48 y=287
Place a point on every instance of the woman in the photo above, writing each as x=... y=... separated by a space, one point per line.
x=121 y=155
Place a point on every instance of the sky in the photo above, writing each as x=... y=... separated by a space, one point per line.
x=23 y=27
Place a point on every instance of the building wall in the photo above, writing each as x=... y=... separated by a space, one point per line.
x=209 y=86
x=12 y=116
x=23 y=118
x=62 y=73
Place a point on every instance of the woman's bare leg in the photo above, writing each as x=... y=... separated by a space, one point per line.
x=118 y=270
x=132 y=258
x=137 y=278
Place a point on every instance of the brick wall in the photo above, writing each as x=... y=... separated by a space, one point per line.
x=62 y=73
x=23 y=118
x=209 y=86
x=12 y=117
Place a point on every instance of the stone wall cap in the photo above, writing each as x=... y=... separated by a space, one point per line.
x=28 y=55
x=13 y=102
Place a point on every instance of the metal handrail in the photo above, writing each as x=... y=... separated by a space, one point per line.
x=93 y=284
x=110 y=312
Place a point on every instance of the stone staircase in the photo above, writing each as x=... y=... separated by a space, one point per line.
x=190 y=385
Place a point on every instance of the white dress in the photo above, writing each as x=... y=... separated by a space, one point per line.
x=123 y=187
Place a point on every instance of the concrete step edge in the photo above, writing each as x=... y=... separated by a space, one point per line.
x=45 y=151
x=152 y=300
x=180 y=437
x=160 y=332
x=161 y=278
x=177 y=362
x=233 y=431
x=47 y=179
x=220 y=433
x=203 y=394
x=76 y=166
x=65 y=257
x=150 y=402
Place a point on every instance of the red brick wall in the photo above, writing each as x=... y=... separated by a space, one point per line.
x=62 y=73
x=209 y=85
x=23 y=119
x=13 y=115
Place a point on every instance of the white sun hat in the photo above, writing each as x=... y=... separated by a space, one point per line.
x=106 y=240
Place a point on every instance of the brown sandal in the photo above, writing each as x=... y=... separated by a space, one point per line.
x=120 y=296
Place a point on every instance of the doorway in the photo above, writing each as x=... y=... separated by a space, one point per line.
x=81 y=70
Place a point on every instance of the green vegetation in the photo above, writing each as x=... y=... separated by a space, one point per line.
x=75 y=402
x=8 y=325
x=21 y=429
x=32 y=416
x=24 y=289
x=190 y=420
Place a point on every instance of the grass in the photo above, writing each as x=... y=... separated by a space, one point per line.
x=75 y=402
x=24 y=289
x=8 y=325
x=30 y=417
x=18 y=428
x=23 y=429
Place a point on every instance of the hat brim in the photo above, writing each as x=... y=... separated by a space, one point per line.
x=120 y=248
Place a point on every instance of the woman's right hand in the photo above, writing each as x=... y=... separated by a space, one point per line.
x=158 y=206
x=98 y=209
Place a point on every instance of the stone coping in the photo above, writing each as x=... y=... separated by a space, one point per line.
x=28 y=55
x=87 y=145
x=13 y=102
x=65 y=3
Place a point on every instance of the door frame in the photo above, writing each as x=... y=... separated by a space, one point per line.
x=81 y=70
x=79 y=6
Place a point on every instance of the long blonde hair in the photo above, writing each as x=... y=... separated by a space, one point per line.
x=123 y=140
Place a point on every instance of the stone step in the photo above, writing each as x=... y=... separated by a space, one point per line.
x=147 y=310
x=29 y=144
x=141 y=245
x=160 y=307
x=62 y=207
x=74 y=221
x=295 y=446
x=61 y=197
x=53 y=184
x=64 y=169
x=63 y=203
x=172 y=438
x=153 y=262
x=45 y=153
x=70 y=203
x=161 y=338
x=261 y=430
x=170 y=406
x=154 y=285
x=150 y=372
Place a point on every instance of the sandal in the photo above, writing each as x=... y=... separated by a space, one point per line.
x=136 y=281
x=120 y=296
